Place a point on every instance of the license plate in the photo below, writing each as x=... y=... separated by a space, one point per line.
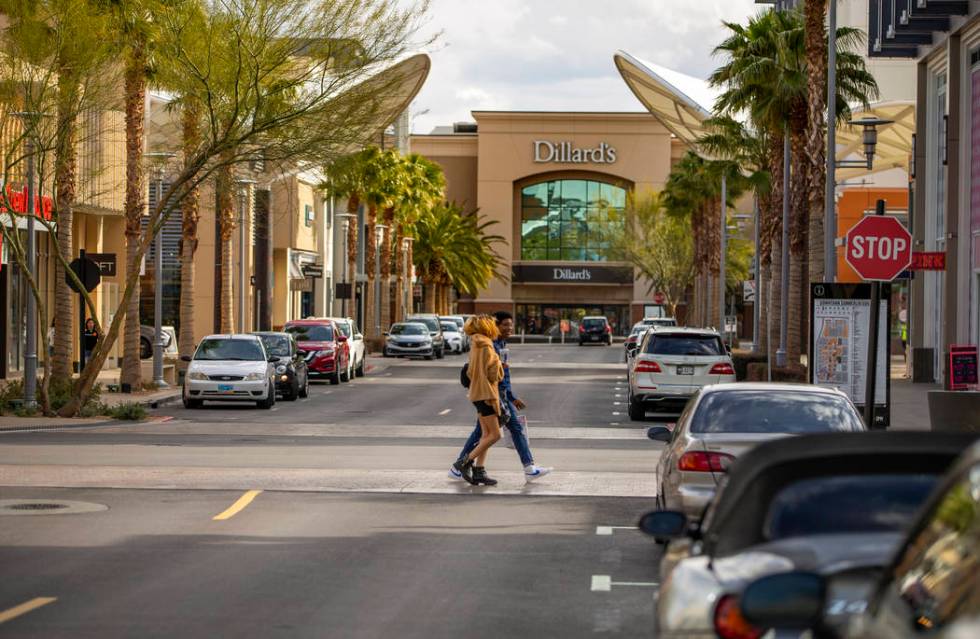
x=225 y=388
x=685 y=370
x=594 y=338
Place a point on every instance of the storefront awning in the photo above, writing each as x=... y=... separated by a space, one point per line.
x=894 y=148
x=680 y=102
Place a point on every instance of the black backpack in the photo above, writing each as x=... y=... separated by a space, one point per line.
x=464 y=375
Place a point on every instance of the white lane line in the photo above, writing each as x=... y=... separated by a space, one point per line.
x=608 y=530
x=445 y=412
x=617 y=403
x=601 y=583
x=614 y=423
x=617 y=414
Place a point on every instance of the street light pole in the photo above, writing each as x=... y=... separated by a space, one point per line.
x=379 y=235
x=830 y=204
x=346 y=217
x=756 y=307
x=784 y=283
x=159 y=158
x=30 y=350
x=243 y=184
x=724 y=249
x=407 y=293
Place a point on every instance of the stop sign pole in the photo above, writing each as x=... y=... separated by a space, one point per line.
x=878 y=253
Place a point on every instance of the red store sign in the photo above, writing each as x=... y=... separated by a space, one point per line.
x=43 y=206
x=928 y=261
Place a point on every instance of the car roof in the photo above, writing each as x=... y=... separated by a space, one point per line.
x=273 y=333
x=339 y=319
x=410 y=322
x=241 y=336
x=773 y=386
x=685 y=330
x=602 y=317
x=733 y=522
x=310 y=322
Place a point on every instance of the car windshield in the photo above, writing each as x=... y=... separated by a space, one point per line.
x=431 y=322
x=685 y=344
x=858 y=503
x=592 y=322
x=662 y=322
x=449 y=327
x=772 y=411
x=407 y=329
x=214 y=349
x=311 y=332
x=344 y=328
x=277 y=345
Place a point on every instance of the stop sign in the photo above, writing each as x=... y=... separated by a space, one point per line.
x=659 y=298
x=879 y=248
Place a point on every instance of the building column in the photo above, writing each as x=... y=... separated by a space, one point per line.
x=916 y=303
x=953 y=175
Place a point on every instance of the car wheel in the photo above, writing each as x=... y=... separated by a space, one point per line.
x=428 y=358
x=359 y=371
x=191 y=404
x=440 y=353
x=305 y=390
x=636 y=412
x=384 y=352
x=335 y=378
x=270 y=399
x=345 y=376
x=291 y=393
x=146 y=349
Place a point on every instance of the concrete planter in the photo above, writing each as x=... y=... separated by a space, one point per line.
x=954 y=411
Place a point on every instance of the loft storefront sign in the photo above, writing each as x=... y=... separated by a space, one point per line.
x=540 y=273
x=546 y=151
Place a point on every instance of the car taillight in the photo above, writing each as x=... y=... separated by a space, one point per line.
x=581 y=328
x=729 y=622
x=723 y=368
x=609 y=329
x=702 y=462
x=646 y=366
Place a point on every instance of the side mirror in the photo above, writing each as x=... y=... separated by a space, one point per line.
x=664 y=524
x=273 y=359
x=659 y=433
x=790 y=600
x=185 y=358
x=342 y=338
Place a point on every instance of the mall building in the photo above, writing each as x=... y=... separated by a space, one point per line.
x=556 y=184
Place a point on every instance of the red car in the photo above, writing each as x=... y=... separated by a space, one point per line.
x=324 y=347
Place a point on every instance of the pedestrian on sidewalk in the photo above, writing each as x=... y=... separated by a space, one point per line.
x=485 y=372
x=511 y=404
x=90 y=337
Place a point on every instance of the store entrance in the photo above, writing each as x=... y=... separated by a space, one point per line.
x=545 y=319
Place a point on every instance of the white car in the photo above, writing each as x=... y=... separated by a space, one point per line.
x=453 y=335
x=671 y=365
x=460 y=321
x=230 y=368
x=355 y=340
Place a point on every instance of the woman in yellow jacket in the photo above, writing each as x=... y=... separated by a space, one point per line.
x=485 y=372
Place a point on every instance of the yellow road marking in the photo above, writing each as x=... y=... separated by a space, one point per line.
x=237 y=507
x=25 y=607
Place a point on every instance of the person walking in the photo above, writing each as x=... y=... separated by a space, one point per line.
x=90 y=337
x=511 y=404
x=485 y=372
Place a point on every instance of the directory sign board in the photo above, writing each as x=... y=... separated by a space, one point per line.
x=840 y=315
x=962 y=367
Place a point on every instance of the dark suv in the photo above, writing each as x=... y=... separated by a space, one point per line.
x=594 y=329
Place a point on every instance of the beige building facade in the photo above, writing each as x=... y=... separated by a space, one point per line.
x=556 y=184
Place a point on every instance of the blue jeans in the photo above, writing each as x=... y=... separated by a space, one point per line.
x=516 y=432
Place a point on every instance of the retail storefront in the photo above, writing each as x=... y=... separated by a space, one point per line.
x=557 y=185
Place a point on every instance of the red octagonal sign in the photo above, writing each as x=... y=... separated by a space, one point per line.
x=879 y=248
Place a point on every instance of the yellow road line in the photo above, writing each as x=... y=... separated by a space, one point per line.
x=237 y=507
x=25 y=607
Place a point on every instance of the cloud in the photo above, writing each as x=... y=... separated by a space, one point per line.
x=557 y=54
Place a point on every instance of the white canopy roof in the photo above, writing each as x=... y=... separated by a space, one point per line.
x=894 y=140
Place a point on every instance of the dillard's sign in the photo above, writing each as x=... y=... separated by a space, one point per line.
x=543 y=273
x=572 y=274
x=565 y=153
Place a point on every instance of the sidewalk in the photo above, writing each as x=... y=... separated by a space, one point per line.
x=149 y=399
x=909 y=402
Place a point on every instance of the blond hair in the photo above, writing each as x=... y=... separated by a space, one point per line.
x=482 y=325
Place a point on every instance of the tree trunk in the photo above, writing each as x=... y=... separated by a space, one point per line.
x=762 y=300
x=65 y=163
x=226 y=220
x=190 y=214
x=353 y=204
x=135 y=88
x=370 y=251
x=797 y=244
x=389 y=222
x=775 y=293
x=431 y=290
x=816 y=133
x=775 y=231
x=399 y=266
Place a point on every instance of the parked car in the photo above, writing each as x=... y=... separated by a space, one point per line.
x=409 y=338
x=355 y=343
x=148 y=336
x=659 y=321
x=324 y=348
x=292 y=374
x=724 y=421
x=632 y=341
x=460 y=321
x=230 y=368
x=929 y=588
x=453 y=335
x=836 y=504
x=595 y=329
x=435 y=331
x=671 y=365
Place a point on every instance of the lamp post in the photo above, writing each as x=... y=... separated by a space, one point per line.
x=407 y=293
x=30 y=346
x=724 y=250
x=379 y=230
x=159 y=160
x=346 y=218
x=243 y=185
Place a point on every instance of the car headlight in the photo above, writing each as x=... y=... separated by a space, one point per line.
x=198 y=376
x=254 y=377
x=281 y=368
x=326 y=353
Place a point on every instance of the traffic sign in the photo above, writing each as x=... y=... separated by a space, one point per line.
x=659 y=298
x=88 y=273
x=879 y=248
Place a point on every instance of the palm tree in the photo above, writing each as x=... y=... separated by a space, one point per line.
x=190 y=211
x=346 y=178
x=382 y=183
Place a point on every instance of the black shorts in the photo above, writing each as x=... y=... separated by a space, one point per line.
x=484 y=408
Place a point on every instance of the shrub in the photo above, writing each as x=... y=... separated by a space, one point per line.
x=741 y=361
x=756 y=372
x=127 y=410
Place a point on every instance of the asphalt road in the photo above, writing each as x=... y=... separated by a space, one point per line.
x=349 y=526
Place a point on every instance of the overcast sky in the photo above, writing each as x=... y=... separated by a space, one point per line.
x=557 y=54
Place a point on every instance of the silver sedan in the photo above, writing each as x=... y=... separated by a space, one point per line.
x=724 y=420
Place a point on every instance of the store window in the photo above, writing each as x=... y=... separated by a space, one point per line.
x=571 y=220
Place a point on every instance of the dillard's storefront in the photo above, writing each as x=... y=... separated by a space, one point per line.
x=557 y=186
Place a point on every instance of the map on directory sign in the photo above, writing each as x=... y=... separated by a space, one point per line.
x=840 y=346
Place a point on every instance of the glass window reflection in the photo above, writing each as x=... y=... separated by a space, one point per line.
x=570 y=220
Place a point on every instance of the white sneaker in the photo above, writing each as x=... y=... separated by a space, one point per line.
x=454 y=474
x=535 y=472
